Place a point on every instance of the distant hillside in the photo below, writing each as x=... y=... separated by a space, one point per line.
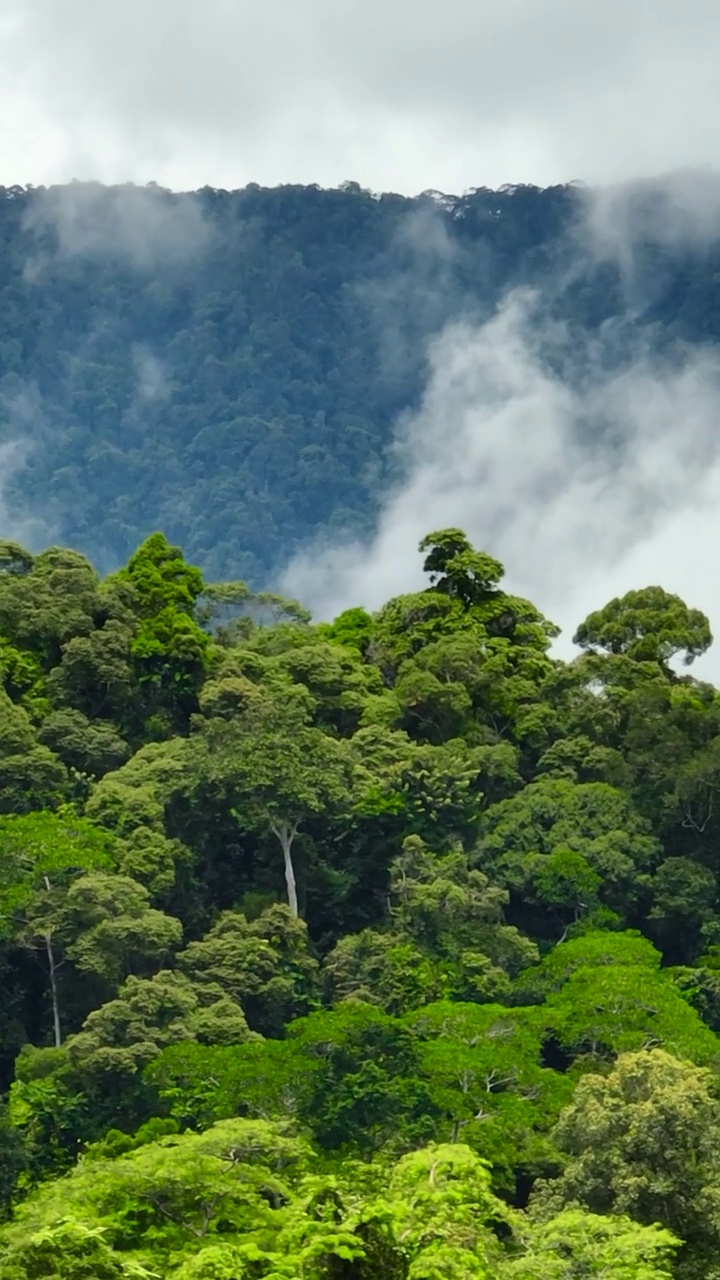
x=228 y=366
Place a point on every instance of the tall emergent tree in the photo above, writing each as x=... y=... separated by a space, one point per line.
x=277 y=770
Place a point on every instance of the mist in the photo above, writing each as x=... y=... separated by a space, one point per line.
x=147 y=227
x=31 y=531
x=585 y=482
x=22 y=429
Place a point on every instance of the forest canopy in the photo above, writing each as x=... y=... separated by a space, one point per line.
x=381 y=948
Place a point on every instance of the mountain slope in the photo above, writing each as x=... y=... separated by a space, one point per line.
x=229 y=366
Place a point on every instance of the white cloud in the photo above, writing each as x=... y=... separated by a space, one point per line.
x=446 y=95
x=152 y=379
x=147 y=228
x=583 y=488
x=29 y=530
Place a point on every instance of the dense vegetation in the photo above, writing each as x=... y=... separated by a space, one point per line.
x=229 y=366
x=385 y=949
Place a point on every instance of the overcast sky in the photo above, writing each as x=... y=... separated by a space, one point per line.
x=395 y=94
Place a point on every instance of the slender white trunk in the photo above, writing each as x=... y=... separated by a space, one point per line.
x=53 y=990
x=53 y=981
x=286 y=832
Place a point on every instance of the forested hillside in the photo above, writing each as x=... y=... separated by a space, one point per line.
x=230 y=366
x=380 y=949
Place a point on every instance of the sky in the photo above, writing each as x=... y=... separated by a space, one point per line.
x=437 y=94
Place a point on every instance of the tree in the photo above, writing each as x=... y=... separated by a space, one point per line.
x=69 y=1251
x=445 y=1213
x=122 y=1036
x=276 y=770
x=602 y=1011
x=434 y=792
x=31 y=776
x=643 y=1142
x=558 y=843
x=264 y=965
x=453 y=910
x=111 y=930
x=261 y=1079
x=683 y=913
x=455 y=569
x=159 y=1202
x=339 y=682
x=579 y=1246
x=13 y=1161
x=169 y=649
x=87 y=746
x=40 y=852
x=385 y=969
x=367 y=1090
x=485 y=1074
x=595 y=949
x=649 y=626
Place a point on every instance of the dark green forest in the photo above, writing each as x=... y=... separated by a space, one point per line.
x=230 y=366
x=379 y=949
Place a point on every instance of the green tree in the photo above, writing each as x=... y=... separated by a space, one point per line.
x=606 y=1010
x=168 y=647
x=457 y=570
x=69 y=1251
x=276 y=770
x=485 y=1074
x=123 y=1035
x=160 y=1201
x=260 y=1079
x=366 y=1090
x=386 y=969
x=40 y=853
x=453 y=910
x=642 y=1142
x=265 y=965
x=31 y=776
x=579 y=1246
x=112 y=931
x=445 y=1213
x=563 y=845
x=649 y=626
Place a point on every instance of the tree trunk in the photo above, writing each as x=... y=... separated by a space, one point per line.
x=286 y=832
x=53 y=990
x=53 y=981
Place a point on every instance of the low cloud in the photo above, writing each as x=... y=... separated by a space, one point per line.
x=415 y=288
x=148 y=227
x=23 y=428
x=583 y=484
x=676 y=210
x=17 y=524
x=153 y=383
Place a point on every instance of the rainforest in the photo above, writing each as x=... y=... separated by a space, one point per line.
x=384 y=948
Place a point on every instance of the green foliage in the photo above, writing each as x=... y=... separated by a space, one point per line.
x=365 y=1091
x=37 y=847
x=486 y=1075
x=113 y=929
x=648 y=626
x=263 y=964
x=123 y=1035
x=643 y=1142
x=582 y=1245
x=495 y=974
x=565 y=848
